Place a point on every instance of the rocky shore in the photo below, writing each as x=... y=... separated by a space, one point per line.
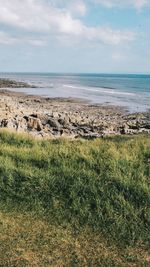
x=47 y=118
x=6 y=83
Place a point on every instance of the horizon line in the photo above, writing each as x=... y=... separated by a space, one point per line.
x=74 y=73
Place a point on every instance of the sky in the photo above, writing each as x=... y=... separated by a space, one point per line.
x=75 y=36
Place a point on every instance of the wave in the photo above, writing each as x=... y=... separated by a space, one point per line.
x=100 y=90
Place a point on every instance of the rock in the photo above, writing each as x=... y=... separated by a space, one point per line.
x=89 y=136
x=145 y=126
x=56 y=115
x=7 y=83
x=144 y=130
x=59 y=117
x=21 y=124
x=53 y=123
x=37 y=100
x=68 y=134
x=4 y=123
x=34 y=115
x=34 y=124
x=128 y=130
x=64 y=121
x=9 y=123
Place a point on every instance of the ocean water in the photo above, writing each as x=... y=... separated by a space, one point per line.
x=129 y=91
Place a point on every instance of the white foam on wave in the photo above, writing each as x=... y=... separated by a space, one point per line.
x=100 y=90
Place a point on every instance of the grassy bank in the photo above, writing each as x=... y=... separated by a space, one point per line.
x=74 y=203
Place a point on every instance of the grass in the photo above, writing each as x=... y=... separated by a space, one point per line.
x=74 y=203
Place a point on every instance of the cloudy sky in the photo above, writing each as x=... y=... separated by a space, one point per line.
x=75 y=36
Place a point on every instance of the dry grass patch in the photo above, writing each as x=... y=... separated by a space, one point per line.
x=26 y=240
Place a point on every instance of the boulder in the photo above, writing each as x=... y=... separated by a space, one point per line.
x=8 y=123
x=34 y=124
x=53 y=123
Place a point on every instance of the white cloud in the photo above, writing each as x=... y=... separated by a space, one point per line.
x=110 y=36
x=44 y=17
x=138 y=4
x=38 y=15
x=7 y=39
x=34 y=42
x=78 y=8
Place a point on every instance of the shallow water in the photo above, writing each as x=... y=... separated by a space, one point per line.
x=129 y=91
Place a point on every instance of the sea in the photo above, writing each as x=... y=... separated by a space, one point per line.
x=129 y=91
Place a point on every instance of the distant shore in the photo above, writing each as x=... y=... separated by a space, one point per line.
x=6 y=83
x=66 y=117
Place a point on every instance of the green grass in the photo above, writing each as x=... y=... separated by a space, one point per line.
x=74 y=203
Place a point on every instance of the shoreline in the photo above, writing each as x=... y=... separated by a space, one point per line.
x=46 y=117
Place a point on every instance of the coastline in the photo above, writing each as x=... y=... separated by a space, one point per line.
x=86 y=198
x=45 y=117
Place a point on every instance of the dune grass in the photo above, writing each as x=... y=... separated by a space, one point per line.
x=74 y=203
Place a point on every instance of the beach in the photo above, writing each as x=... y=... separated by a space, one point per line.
x=131 y=92
x=46 y=117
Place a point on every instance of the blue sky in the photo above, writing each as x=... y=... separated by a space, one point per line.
x=102 y=36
